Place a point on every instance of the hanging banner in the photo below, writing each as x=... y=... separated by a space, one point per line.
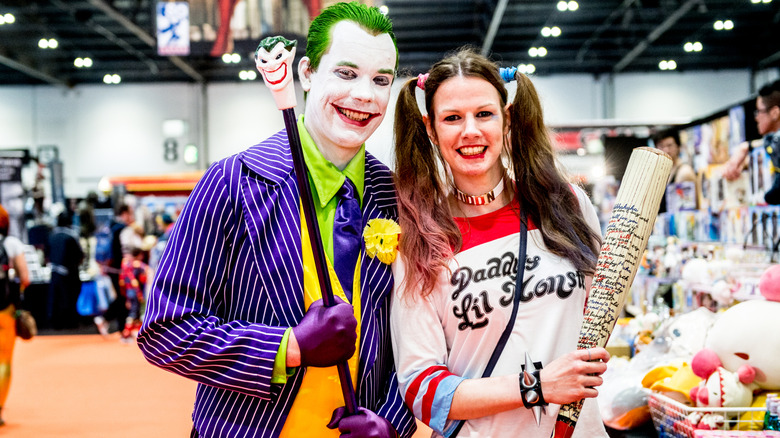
x=11 y=162
x=173 y=28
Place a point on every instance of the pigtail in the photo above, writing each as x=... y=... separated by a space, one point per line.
x=542 y=187
x=429 y=234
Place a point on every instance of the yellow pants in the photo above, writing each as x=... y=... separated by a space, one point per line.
x=7 y=340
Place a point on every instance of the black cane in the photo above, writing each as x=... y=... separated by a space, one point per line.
x=274 y=63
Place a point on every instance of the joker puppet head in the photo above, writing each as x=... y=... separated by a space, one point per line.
x=274 y=57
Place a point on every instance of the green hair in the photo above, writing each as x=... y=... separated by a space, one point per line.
x=270 y=42
x=368 y=18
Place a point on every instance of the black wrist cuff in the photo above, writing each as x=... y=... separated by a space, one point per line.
x=532 y=393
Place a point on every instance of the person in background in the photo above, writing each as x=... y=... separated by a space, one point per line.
x=228 y=306
x=668 y=141
x=123 y=216
x=166 y=224
x=12 y=257
x=132 y=279
x=767 y=116
x=460 y=258
x=65 y=258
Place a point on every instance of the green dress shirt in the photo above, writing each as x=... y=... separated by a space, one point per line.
x=325 y=180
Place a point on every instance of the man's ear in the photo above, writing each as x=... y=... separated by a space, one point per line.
x=304 y=73
x=775 y=112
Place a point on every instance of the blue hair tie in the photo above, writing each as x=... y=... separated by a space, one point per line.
x=508 y=73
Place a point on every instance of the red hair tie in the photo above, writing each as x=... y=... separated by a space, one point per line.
x=421 y=78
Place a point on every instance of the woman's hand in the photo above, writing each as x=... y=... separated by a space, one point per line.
x=574 y=376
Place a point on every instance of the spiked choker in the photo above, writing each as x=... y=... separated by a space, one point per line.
x=483 y=199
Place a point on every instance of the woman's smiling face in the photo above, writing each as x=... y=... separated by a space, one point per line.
x=469 y=128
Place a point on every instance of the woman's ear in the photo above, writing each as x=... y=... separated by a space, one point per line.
x=507 y=119
x=304 y=73
x=431 y=133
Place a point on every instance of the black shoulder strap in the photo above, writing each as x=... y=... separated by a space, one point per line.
x=515 y=302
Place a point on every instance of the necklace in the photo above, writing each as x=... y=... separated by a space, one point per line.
x=484 y=199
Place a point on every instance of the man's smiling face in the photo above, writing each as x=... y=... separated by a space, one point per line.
x=348 y=93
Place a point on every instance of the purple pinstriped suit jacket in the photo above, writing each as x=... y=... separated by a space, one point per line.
x=230 y=282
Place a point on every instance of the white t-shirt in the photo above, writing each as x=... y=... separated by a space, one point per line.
x=450 y=335
x=13 y=247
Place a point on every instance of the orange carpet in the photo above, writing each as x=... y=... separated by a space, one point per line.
x=85 y=386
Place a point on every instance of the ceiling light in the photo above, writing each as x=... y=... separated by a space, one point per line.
x=563 y=6
x=723 y=25
x=755 y=1
x=556 y=31
x=667 y=65
x=765 y=1
x=546 y=32
x=384 y=9
x=526 y=68
x=541 y=52
x=9 y=19
x=695 y=46
x=83 y=62
x=231 y=58
x=112 y=79
x=573 y=6
x=51 y=43
x=247 y=75
x=533 y=52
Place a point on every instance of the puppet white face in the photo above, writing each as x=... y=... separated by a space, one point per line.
x=275 y=66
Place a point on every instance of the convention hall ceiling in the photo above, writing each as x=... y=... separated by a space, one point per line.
x=597 y=37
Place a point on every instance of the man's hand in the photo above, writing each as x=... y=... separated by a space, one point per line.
x=736 y=162
x=325 y=336
x=363 y=424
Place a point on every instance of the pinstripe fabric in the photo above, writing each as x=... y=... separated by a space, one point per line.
x=230 y=282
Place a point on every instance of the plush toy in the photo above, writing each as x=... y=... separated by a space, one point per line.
x=745 y=339
x=721 y=389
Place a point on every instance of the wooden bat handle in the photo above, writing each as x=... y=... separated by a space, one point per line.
x=625 y=239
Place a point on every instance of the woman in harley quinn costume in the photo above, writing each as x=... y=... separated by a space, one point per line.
x=461 y=232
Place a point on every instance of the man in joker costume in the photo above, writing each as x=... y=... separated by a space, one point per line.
x=233 y=305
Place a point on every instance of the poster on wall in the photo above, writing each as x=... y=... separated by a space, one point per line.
x=173 y=28
x=229 y=26
x=11 y=190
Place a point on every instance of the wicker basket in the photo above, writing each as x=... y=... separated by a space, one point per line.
x=672 y=419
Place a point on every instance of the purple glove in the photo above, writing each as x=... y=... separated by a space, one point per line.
x=326 y=335
x=363 y=424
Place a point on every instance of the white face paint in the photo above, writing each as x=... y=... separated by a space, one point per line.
x=275 y=66
x=348 y=94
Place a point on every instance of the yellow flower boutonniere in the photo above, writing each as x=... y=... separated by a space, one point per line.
x=381 y=236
